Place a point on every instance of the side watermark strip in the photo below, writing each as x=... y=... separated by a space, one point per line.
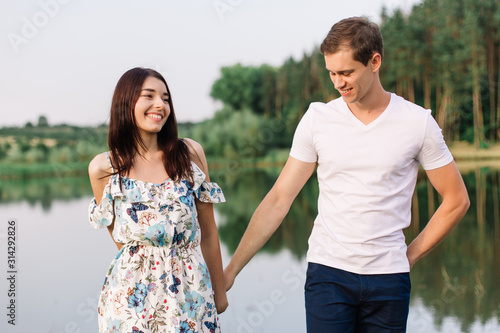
x=12 y=271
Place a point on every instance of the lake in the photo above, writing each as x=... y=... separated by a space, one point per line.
x=61 y=261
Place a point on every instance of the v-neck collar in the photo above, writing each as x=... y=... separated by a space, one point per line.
x=377 y=120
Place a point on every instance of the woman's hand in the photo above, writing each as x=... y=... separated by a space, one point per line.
x=221 y=303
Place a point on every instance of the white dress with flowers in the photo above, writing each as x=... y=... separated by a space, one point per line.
x=159 y=281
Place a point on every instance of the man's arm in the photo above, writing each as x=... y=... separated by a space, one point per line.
x=449 y=184
x=269 y=215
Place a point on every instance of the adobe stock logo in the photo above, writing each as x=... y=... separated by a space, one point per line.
x=30 y=28
x=221 y=7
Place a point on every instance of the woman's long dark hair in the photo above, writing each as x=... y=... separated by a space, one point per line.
x=124 y=139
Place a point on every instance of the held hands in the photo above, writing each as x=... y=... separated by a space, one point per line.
x=228 y=278
x=221 y=303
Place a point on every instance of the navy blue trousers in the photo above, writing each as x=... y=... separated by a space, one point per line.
x=344 y=302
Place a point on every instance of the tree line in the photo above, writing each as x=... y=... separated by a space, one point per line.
x=443 y=55
x=44 y=150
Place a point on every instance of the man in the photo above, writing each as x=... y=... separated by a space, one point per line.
x=368 y=145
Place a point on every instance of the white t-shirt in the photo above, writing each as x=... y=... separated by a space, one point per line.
x=366 y=175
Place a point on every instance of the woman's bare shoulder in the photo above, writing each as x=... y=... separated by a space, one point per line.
x=193 y=145
x=99 y=167
x=196 y=153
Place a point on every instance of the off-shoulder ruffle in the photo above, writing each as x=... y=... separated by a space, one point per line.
x=209 y=192
x=136 y=191
x=101 y=216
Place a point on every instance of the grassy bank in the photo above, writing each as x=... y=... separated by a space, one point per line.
x=469 y=158
x=465 y=154
x=22 y=171
x=465 y=151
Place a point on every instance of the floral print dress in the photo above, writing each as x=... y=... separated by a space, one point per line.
x=158 y=281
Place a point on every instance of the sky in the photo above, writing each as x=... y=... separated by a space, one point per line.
x=63 y=58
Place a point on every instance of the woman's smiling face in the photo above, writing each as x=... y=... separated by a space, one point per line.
x=152 y=108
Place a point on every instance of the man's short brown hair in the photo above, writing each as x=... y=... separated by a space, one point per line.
x=356 y=33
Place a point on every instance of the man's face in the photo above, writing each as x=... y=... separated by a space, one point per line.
x=351 y=78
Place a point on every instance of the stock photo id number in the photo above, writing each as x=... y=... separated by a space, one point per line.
x=11 y=271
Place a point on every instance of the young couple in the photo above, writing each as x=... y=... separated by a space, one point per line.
x=153 y=193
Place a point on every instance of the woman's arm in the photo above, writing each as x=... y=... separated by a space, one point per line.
x=99 y=171
x=210 y=245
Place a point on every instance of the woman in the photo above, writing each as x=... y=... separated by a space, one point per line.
x=153 y=193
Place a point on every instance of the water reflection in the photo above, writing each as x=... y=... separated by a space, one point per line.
x=457 y=280
x=44 y=190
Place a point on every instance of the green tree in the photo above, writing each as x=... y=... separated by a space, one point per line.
x=246 y=87
x=473 y=33
x=43 y=122
x=43 y=150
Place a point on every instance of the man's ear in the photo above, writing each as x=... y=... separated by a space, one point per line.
x=375 y=61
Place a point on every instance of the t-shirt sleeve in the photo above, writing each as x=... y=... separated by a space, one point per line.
x=434 y=152
x=303 y=146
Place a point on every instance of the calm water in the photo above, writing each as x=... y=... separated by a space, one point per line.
x=61 y=261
